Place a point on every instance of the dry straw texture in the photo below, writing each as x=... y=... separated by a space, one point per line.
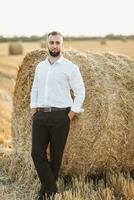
x=101 y=138
x=15 y=48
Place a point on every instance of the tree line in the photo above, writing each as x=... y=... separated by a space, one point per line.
x=35 y=38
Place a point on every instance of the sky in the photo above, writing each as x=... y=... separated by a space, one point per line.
x=70 y=17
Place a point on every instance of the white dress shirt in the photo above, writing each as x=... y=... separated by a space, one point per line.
x=52 y=84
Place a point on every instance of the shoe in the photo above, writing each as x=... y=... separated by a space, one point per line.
x=49 y=197
x=40 y=197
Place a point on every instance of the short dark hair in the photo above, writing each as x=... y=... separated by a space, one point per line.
x=54 y=33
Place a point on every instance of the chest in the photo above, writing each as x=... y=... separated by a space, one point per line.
x=53 y=74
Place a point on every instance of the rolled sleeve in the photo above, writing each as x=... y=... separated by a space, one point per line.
x=77 y=85
x=77 y=109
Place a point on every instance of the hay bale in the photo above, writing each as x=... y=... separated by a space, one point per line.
x=103 y=42
x=43 y=44
x=15 y=48
x=101 y=138
x=124 y=39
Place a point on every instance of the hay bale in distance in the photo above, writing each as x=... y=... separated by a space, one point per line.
x=15 y=48
x=124 y=39
x=103 y=42
x=101 y=138
x=42 y=44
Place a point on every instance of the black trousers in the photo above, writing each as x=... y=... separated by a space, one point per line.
x=49 y=128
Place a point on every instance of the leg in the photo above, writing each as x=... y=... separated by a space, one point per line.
x=58 y=133
x=40 y=140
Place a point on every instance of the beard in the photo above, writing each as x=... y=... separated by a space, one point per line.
x=54 y=54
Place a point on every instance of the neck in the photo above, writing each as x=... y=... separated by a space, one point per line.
x=53 y=59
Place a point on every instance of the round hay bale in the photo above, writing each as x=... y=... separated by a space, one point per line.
x=103 y=42
x=15 y=48
x=124 y=39
x=42 y=44
x=101 y=138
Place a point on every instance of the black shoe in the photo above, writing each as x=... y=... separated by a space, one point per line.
x=49 y=197
x=40 y=197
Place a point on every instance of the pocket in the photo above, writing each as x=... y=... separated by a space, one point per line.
x=34 y=114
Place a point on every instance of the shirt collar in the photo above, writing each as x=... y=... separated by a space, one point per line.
x=60 y=59
x=57 y=61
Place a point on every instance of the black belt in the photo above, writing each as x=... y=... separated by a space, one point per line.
x=51 y=109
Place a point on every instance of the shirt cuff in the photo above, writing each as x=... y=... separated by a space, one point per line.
x=77 y=109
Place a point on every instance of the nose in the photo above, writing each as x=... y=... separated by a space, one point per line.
x=54 y=45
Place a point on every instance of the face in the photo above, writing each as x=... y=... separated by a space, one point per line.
x=54 y=45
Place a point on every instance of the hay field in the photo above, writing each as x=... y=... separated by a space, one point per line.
x=119 y=187
x=123 y=47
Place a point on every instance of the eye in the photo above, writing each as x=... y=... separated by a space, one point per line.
x=57 y=42
x=51 y=42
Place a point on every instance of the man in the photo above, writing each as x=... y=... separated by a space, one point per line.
x=52 y=110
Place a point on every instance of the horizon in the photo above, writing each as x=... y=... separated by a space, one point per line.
x=71 y=36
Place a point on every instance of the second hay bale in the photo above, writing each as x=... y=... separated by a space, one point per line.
x=15 y=48
x=43 y=44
